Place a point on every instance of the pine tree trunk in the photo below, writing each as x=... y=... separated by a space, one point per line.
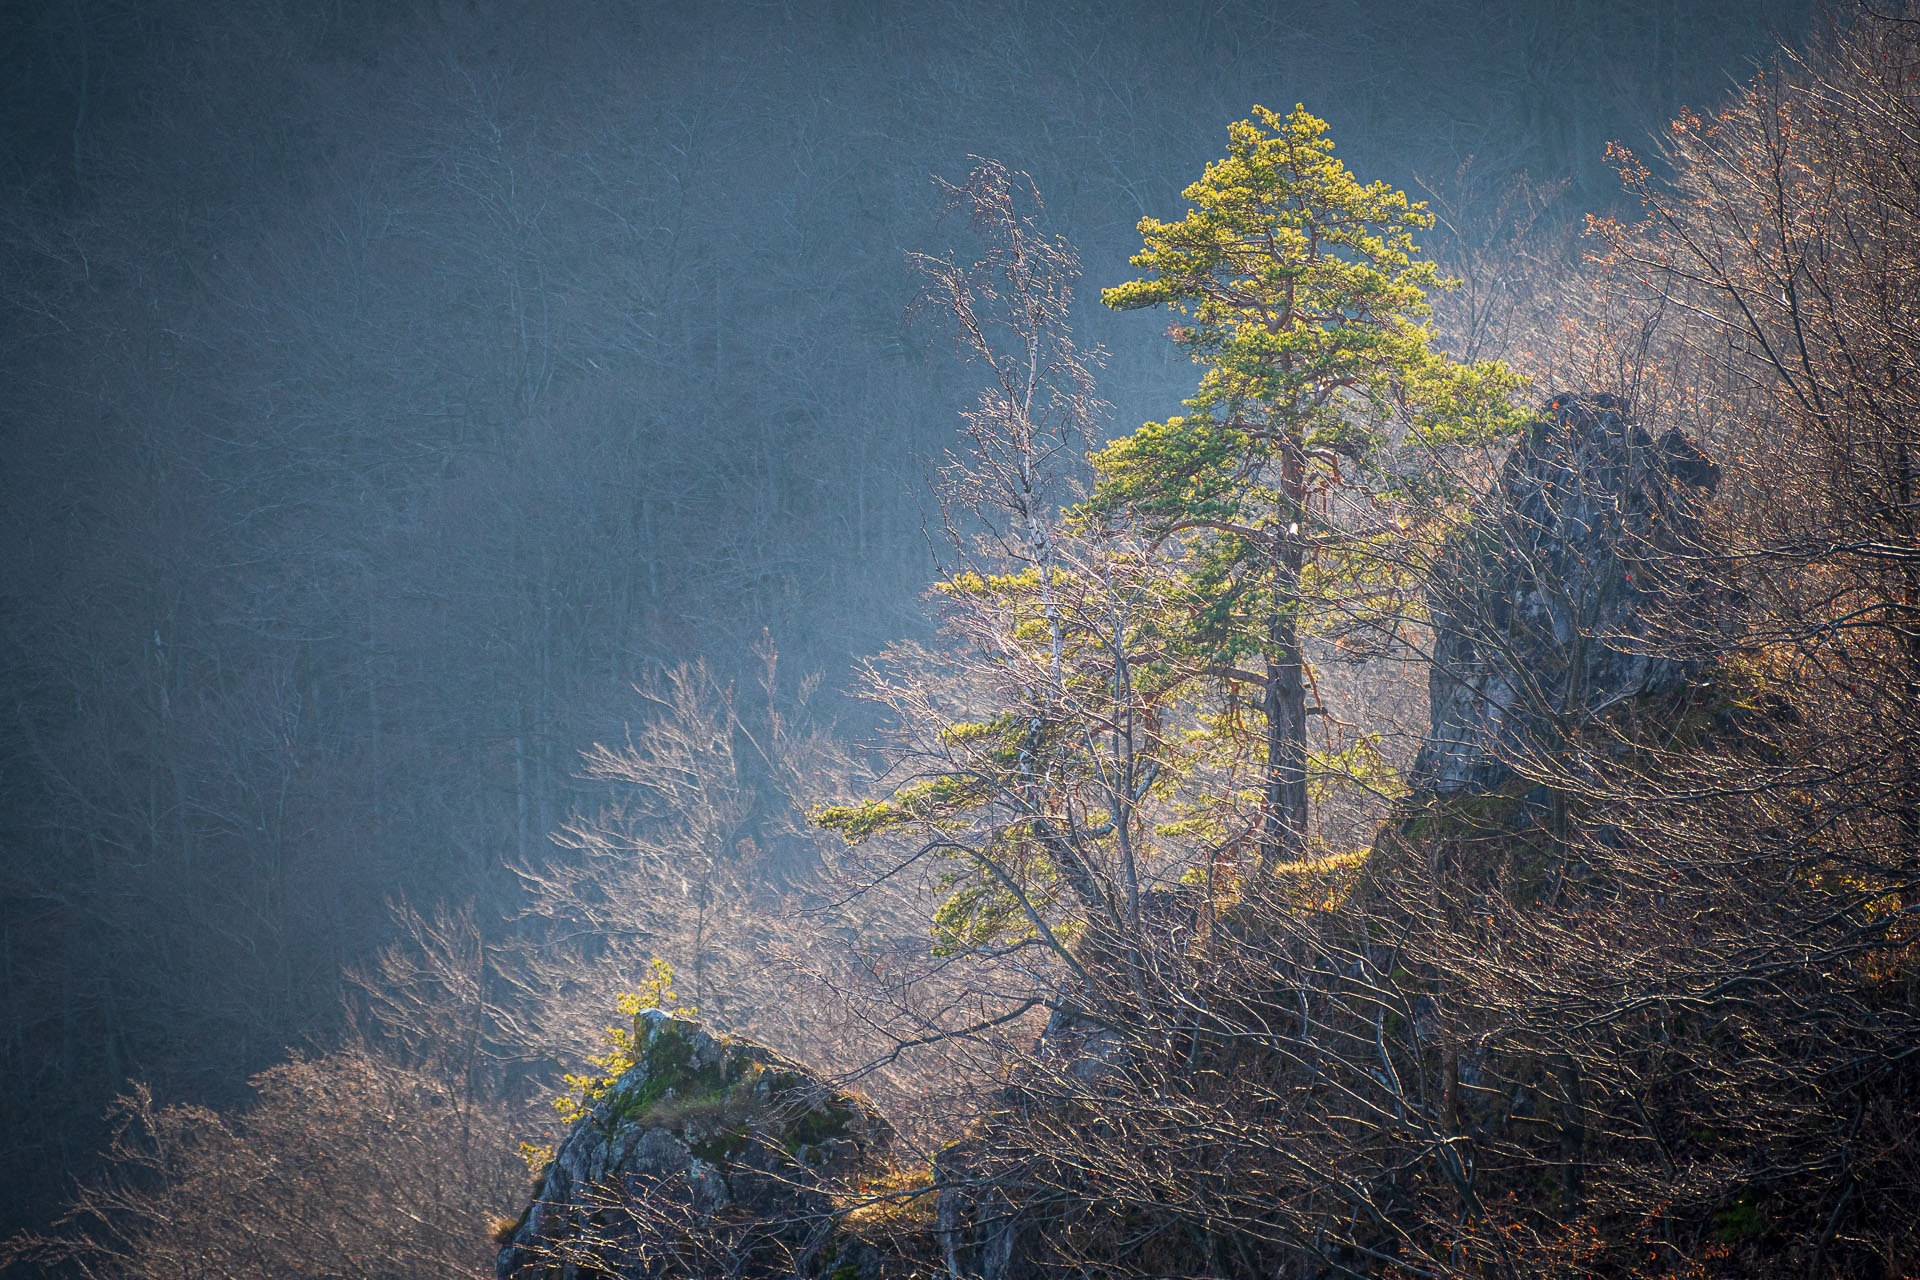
x=1284 y=822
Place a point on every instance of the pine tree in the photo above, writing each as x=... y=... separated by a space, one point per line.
x=1284 y=489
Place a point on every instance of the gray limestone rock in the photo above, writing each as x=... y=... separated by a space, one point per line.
x=1543 y=603
x=709 y=1155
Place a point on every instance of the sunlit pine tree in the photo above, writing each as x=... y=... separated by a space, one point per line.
x=1284 y=489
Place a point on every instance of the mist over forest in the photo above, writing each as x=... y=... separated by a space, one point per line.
x=427 y=422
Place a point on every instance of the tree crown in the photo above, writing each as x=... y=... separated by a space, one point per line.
x=1301 y=281
x=1308 y=302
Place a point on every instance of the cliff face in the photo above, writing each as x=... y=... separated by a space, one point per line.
x=709 y=1156
x=1541 y=607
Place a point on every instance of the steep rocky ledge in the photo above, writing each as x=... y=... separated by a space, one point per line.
x=711 y=1155
x=1542 y=607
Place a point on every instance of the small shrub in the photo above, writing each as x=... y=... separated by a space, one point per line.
x=623 y=1048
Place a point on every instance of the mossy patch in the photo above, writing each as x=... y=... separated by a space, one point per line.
x=1467 y=816
x=1739 y=1220
x=1320 y=882
x=722 y=1148
x=825 y=1121
x=715 y=1108
x=666 y=1060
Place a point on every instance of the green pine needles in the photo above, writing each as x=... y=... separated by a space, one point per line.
x=1289 y=492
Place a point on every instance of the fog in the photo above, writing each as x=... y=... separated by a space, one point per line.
x=391 y=387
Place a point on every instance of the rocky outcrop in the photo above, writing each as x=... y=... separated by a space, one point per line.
x=709 y=1156
x=1544 y=605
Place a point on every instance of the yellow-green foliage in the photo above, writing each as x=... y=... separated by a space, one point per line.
x=929 y=800
x=623 y=1043
x=1362 y=764
x=970 y=583
x=979 y=911
x=1321 y=882
x=1302 y=293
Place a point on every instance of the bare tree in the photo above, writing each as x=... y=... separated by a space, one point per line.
x=699 y=857
x=387 y=1156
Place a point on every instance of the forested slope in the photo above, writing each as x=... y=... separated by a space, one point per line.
x=392 y=388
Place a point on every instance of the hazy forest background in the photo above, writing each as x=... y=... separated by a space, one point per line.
x=394 y=387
